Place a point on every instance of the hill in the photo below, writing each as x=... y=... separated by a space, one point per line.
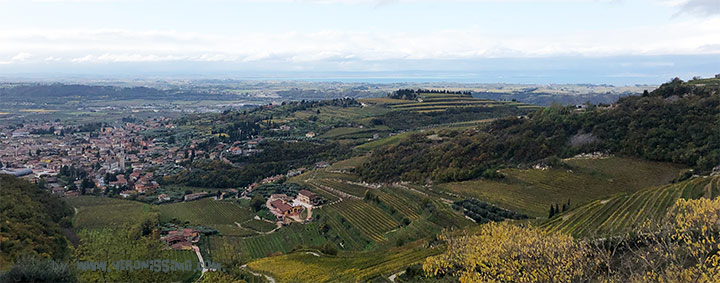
x=675 y=123
x=31 y=220
x=577 y=182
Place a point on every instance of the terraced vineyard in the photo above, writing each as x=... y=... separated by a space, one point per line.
x=282 y=241
x=205 y=212
x=352 y=189
x=407 y=207
x=532 y=191
x=347 y=267
x=623 y=212
x=430 y=102
x=370 y=220
x=99 y=212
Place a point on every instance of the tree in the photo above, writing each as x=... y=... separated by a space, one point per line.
x=257 y=202
x=552 y=211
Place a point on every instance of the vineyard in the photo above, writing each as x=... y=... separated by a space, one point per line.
x=441 y=102
x=281 y=241
x=205 y=212
x=352 y=189
x=111 y=245
x=407 y=206
x=348 y=267
x=258 y=225
x=532 y=191
x=624 y=212
x=340 y=231
x=370 y=220
x=99 y=212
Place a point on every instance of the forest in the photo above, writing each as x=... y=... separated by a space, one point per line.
x=32 y=221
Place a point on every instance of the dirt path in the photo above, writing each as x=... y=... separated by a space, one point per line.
x=278 y=226
x=268 y=277
x=392 y=277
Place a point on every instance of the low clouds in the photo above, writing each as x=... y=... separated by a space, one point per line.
x=697 y=36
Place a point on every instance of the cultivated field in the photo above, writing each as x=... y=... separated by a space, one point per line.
x=100 y=212
x=205 y=212
x=304 y=266
x=369 y=219
x=356 y=190
x=281 y=241
x=532 y=191
x=622 y=213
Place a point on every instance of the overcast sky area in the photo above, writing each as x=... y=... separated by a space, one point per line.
x=514 y=41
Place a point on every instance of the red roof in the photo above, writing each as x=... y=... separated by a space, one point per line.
x=279 y=204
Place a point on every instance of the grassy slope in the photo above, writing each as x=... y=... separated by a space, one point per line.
x=624 y=212
x=533 y=191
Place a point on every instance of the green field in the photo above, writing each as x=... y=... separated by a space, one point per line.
x=532 y=191
x=115 y=248
x=622 y=213
x=304 y=266
x=403 y=203
x=100 y=212
x=356 y=190
x=369 y=146
x=205 y=212
x=281 y=241
x=430 y=102
x=369 y=219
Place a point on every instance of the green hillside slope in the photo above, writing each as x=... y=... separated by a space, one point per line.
x=624 y=212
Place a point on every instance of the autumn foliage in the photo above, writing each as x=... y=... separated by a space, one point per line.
x=681 y=248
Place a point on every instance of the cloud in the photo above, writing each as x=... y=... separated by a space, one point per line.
x=702 y=7
x=20 y=57
x=86 y=46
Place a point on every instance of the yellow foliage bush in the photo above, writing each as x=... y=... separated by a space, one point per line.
x=504 y=252
x=683 y=247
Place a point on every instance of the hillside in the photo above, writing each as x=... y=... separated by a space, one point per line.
x=578 y=181
x=30 y=222
x=627 y=212
x=675 y=123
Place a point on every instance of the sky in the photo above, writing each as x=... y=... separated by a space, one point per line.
x=514 y=41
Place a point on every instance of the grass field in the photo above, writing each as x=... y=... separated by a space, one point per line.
x=622 y=213
x=369 y=146
x=533 y=191
x=348 y=164
x=370 y=220
x=346 y=267
x=101 y=212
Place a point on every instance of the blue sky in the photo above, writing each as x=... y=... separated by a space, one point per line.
x=613 y=41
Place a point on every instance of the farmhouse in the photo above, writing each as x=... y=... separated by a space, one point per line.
x=281 y=209
x=181 y=239
x=309 y=197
